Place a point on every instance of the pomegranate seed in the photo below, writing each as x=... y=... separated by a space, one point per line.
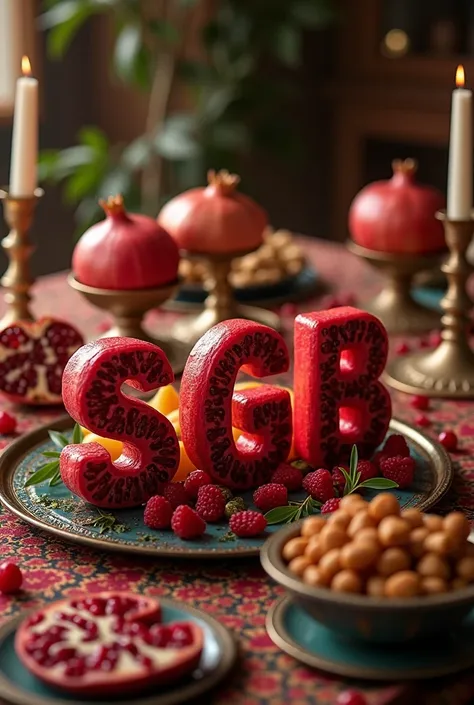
x=420 y=402
x=64 y=654
x=11 y=577
x=39 y=656
x=181 y=635
x=35 y=619
x=95 y=606
x=448 y=440
x=115 y=606
x=7 y=423
x=351 y=697
x=160 y=636
x=145 y=661
x=422 y=420
x=137 y=628
x=75 y=668
x=30 y=646
x=402 y=349
x=130 y=647
x=108 y=664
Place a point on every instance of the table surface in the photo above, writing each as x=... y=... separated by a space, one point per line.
x=237 y=593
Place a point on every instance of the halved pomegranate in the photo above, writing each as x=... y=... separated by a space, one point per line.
x=33 y=356
x=109 y=643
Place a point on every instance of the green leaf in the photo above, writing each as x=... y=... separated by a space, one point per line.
x=64 y=21
x=379 y=483
x=55 y=480
x=287 y=45
x=70 y=159
x=95 y=138
x=84 y=180
x=51 y=453
x=132 y=60
x=137 y=154
x=216 y=102
x=77 y=434
x=45 y=472
x=59 y=439
x=279 y=515
x=353 y=463
x=178 y=139
x=348 y=486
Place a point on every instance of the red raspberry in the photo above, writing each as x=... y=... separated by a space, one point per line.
x=210 y=503
x=419 y=402
x=448 y=440
x=10 y=577
x=247 y=523
x=338 y=479
x=367 y=470
x=422 y=420
x=186 y=523
x=331 y=505
x=289 y=476
x=396 y=445
x=158 y=513
x=195 y=480
x=7 y=423
x=176 y=494
x=319 y=484
x=399 y=469
x=270 y=496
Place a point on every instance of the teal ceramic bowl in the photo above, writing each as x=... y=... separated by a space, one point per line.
x=363 y=617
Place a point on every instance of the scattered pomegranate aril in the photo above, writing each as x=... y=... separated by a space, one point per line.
x=420 y=402
x=351 y=697
x=448 y=440
x=138 y=652
x=11 y=577
x=422 y=420
x=402 y=349
x=7 y=423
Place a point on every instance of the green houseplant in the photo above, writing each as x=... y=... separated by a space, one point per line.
x=237 y=91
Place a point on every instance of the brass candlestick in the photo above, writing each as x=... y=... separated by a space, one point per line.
x=17 y=280
x=128 y=308
x=220 y=304
x=447 y=371
x=395 y=305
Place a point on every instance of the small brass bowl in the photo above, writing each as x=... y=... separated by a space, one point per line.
x=362 y=617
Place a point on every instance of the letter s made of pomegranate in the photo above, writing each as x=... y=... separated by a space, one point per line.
x=92 y=395
x=210 y=407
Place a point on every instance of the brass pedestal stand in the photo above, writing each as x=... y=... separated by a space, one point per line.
x=394 y=305
x=128 y=308
x=220 y=304
x=17 y=280
x=447 y=371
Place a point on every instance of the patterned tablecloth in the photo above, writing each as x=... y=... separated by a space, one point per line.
x=237 y=592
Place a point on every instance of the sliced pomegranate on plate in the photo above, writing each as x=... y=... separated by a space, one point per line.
x=107 y=644
x=33 y=357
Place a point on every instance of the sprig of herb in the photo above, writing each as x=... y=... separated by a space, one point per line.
x=50 y=471
x=294 y=511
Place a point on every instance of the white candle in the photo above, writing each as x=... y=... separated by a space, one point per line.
x=460 y=152
x=23 y=169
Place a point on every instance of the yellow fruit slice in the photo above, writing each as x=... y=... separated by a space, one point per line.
x=113 y=447
x=165 y=400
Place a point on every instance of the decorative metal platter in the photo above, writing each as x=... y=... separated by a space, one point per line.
x=296 y=288
x=19 y=687
x=57 y=511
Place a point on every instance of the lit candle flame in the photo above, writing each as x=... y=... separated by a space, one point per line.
x=25 y=66
x=460 y=76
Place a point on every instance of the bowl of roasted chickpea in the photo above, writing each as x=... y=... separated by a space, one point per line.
x=374 y=571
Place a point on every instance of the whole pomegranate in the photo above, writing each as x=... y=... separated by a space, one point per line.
x=125 y=251
x=398 y=215
x=216 y=219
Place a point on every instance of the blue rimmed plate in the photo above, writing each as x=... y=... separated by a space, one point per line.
x=19 y=687
x=59 y=512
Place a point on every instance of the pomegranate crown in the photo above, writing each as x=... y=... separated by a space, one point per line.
x=113 y=205
x=404 y=166
x=223 y=181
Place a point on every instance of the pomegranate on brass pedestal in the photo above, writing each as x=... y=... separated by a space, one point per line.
x=128 y=265
x=216 y=225
x=393 y=226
